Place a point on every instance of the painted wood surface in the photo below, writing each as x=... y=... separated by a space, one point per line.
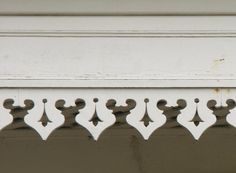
x=95 y=109
x=117 y=51
x=114 y=7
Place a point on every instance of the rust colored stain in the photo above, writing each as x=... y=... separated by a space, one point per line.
x=217 y=90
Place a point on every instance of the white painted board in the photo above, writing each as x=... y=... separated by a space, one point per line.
x=114 y=7
x=117 y=55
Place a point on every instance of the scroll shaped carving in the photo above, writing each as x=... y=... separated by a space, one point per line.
x=146 y=117
x=49 y=109
x=44 y=117
x=6 y=118
x=18 y=112
x=196 y=117
x=121 y=111
x=231 y=117
x=95 y=116
x=171 y=111
x=70 y=112
x=221 y=112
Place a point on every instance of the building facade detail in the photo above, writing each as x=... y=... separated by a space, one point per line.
x=85 y=71
x=146 y=108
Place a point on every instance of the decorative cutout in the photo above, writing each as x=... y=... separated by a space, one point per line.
x=44 y=117
x=5 y=118
x=70 y=112
x=196 y=117
x=18 y=113
x=146 y=117
x=95 y=117
x=231 y=118
x=171 y=112
x=221 y=112
x=46 y=112
x=121 y=111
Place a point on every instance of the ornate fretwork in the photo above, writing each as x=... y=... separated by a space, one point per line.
x=96 y=110
x=95 y=116
x=146 y=117
x=196 y=119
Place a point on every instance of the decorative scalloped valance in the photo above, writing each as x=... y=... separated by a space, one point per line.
x=95 y=109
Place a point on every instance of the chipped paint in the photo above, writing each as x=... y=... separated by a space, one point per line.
x=217 y=62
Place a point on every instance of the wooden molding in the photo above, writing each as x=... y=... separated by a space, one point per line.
x=45 y=110
x=114 y=7
x=146 y=52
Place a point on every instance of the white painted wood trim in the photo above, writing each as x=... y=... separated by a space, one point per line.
x=60 y=33
x=121 y=7
x=102 y=83
x=41 y=103
x=126 y=26
x=58 y=54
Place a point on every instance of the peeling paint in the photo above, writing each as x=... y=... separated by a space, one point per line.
x=219 y=60
x=216 y=63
